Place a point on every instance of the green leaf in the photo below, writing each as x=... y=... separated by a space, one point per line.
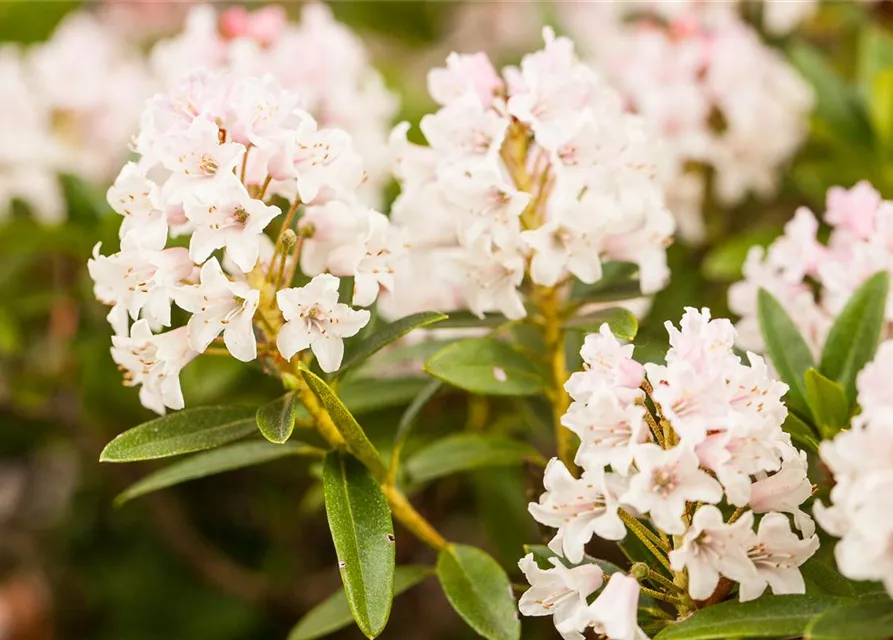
x=467 y=451
x=786 y=348
x=837 y=103
x=486 y=366
x=360 y=522
x=622 y=322
x=880 y=107
x=828 y=402
x=854 y=621
x=346 y=424
x=479 y=591
x=875 y=57
x=208 y=463
x=854 y=336
x=618 y=282
x=365 y=395
x=334 y=614
x=468 y=320
x=181 y=432
x=826 y=580
x=385 y=336
x=766 y=617
x=411 y=414
x=801 y=433
x=723 y=263
x=276 y=420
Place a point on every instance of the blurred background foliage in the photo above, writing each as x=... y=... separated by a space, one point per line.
x=243 y=555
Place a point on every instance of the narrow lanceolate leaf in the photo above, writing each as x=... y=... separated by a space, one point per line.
x=365 y=395
x=479 y=591
x=334 y=614
x=276 y=420
x=487 y=366
x=803 y=435
x=346 y=424
x=360 y=522
x=208 y=463
x=828 y=402
x=185 y=431
x=622 y=322
x=411 y=414
x=468 y=320
x=854 y=336
x=467 y=451
x=872 y=620
x=766 y=617
x=786 y=348
x=820 y=579
x=386 y=335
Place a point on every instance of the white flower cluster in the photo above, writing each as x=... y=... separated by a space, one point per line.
x=69 y=105
x=721 y=99
x=796 y=265
x=212 y=154
x=712 y=441
x=537 y=171
x=320 y=58
x=862 y=496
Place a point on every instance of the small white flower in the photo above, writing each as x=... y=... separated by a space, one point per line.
x=777 y=553
x=198 y=161
x=614 y=613
x=136 y=198
x=578 y=508
x=218 y=304
x=560 y=592
x=153 y=362
x=315 y=319
x=229 y=218
x=667 y=479
x=609 y=432
x=711 y=548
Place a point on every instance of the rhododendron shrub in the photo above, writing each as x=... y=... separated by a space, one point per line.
x=731 y=110
x=528 y=222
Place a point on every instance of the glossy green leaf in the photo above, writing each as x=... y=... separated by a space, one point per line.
x=479 y=591
x=487 y=366
x=360 y=522
x=828 y=402
x=723 y=263
x=786 y=348
x=411 y=414
x=365 y=395
x=276 y=419
x=801 y=433
x=225 y=458
x=350 y=429
x=767 y=617
x=837 y=103
x=820 y=578
x=855 y=334
x=467 y=451
x=468 y=320
x=622 y=322
x=871 y=620
x=181 y=432
x=385 y=336
x=618 y=282
x=334 y=614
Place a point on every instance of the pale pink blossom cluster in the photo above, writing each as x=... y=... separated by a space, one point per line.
x=213 y=153
x=70 y=105
x=714 y=440
x=723 y=101
x=319 y=58
x=862 y=496
x=536 y=171
x=813 y=280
